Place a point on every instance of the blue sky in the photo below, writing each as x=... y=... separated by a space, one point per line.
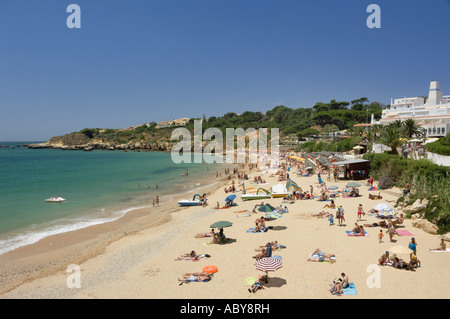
x=138 y=61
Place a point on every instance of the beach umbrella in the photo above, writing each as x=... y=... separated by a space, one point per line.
x=333 y=187
x=386 y=212
x=267 y=264
x=274 y=214
x=373 y=188
x=381 y=206
x=266 y=208
x=230 y=198
x=221 y=224
x=400 y=250
x=352 y=184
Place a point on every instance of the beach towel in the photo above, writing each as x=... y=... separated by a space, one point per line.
x=404 y=232
x=352 y=234
x=440 y=251
x=350 y=290
x=252 y=230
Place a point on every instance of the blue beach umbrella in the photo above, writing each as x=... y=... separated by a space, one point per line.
x=230 y=198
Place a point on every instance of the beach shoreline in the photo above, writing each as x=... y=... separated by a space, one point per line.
x=53 y=253
x=139 y=263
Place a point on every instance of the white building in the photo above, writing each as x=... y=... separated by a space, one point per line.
x=432 y=112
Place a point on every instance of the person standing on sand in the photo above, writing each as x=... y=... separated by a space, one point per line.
x=412 y=245
x=391 y=231
x=157 y=201
x=360 y=212
x=380 y=236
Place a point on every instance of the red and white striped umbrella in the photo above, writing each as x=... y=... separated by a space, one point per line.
x=267 y=264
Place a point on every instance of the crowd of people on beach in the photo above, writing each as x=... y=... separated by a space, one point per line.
x=388 y=225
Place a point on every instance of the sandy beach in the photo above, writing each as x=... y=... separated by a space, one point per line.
x=134 y=257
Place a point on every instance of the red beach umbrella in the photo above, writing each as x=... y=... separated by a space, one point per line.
x=267 y=264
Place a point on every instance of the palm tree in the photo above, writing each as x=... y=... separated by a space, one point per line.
x=391 y=136
x=411 y=128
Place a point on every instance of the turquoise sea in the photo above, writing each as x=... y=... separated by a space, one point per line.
x=99 y=186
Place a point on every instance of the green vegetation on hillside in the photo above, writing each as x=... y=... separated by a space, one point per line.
x=441 y=147
x=427 y=180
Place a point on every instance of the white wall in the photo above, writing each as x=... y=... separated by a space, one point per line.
x=438 y=159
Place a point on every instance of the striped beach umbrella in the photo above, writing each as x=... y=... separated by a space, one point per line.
x=373 y=188
x=381 y=206
x=400 y=250
x=387 y=212
x=274 y=215
x=267 y=264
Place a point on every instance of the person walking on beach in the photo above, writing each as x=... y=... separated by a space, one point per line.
x=360 y=212
x=412 y=245
x=157 y=201
x=340 y=215
x=391 y=231
x=380 y=236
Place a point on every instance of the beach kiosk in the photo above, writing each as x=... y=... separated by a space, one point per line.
x=355 y=169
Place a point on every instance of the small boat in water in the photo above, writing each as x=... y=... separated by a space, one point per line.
x=193 y=202
x=57 y=199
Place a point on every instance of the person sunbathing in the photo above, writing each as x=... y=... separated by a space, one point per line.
x=216 y=239
x=375 y=196
x=256 y=286
x=442 y=246
x=359 y=233
x=321 y=214
x=202 y=235
x=321 y=259
x=398 y=221
x=320 y=253
x=357 y=228
x=263 y=254
x=257 y=228
x=384 y=259
x=191 y=256
x=336 y=287
x=199 y=276
x=331 y=205
x=380 y=223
